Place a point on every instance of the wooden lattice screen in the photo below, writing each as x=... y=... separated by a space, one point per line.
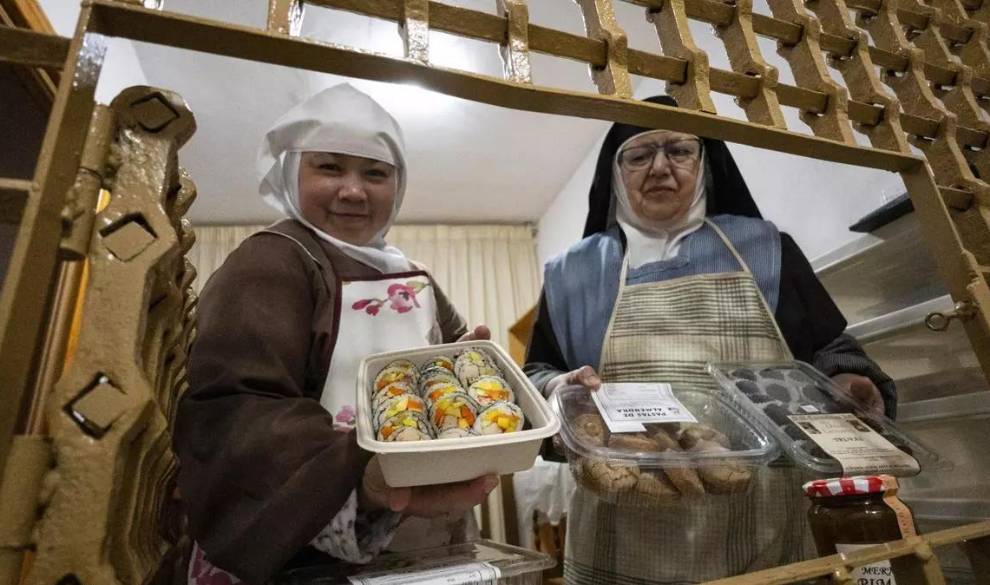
x=915 y=72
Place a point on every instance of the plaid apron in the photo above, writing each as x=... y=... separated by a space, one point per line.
x=667 y=332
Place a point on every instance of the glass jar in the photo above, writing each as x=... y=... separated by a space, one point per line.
x=851 y=513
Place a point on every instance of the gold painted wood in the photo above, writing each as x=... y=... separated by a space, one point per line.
x=916 y=547
x=917 y=99
x=415 y=29
x=20 y=487
x=80 y=205
x=860 y=75
x=25 y=47
x=108 y=424
x=32 y=266
x=515 y=48
x=285 y=16
x=808 y=66
x=745 y=57
x=599 y=20
x=491 y=27
x=670 y=19
x=198 y=34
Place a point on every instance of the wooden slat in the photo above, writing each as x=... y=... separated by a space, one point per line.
x=26 y=47
x=214 y=37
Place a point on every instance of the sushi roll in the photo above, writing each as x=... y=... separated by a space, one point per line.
x=472 y=365
x=456 y=433
x=389 y=375
x=437 y=391
x=439 y=376
x=391 y=391
x=501 y=417
x=439 y=361
x=407 y=426
x=398 y=405
x=406 y=365
x=452 y=411
x=490 y=389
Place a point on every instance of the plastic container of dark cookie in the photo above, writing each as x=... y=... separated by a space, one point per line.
x=668 y=462
x=773 y=393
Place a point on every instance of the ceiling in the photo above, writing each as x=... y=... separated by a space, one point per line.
x=468 y=162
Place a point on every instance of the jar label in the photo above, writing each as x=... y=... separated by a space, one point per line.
x=857 y=447
x=878 y=573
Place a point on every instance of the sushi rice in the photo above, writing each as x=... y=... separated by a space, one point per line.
x=391 y=391
x=490 y=389
x=408 y=426
x=389 y=375
x=398 y=405
x=499 y=418
x=453 y=410
x=472 y=365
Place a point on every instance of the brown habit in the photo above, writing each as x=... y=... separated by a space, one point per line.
x=262 y=468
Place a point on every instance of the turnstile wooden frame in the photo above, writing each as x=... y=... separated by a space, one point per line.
x=939 y=73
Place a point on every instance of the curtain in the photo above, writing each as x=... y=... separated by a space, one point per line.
x=489 y=272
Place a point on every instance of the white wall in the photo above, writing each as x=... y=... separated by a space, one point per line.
x=812 y=200
x=121 y=68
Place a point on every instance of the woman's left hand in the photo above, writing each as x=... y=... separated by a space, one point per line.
x=480 y=332
x=862 y=390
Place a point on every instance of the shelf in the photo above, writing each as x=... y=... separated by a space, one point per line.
x=881 y=272
x=908 y=351
x=898 y=321
x=944 y=408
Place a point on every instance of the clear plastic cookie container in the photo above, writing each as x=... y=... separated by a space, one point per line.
x=668 y=462
x=461 y=453
x=801 y=408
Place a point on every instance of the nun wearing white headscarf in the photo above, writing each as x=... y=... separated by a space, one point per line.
x=270 y=468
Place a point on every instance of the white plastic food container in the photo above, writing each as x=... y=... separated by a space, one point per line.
x=450 y=460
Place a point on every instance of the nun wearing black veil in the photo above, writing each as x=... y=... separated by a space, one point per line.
x=677 y=269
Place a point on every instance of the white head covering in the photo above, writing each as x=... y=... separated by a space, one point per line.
x=650 y=241
x=338 y=119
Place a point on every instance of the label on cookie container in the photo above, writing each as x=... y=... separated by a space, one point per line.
x=857 y=447
x=625 y=407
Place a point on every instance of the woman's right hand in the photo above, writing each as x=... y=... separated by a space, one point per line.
x=428 y=501
x=583 y=376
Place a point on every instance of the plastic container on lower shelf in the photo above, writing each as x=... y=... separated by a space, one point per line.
x=476 y=563
x=667 y=462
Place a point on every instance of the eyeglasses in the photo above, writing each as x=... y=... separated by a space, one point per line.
x=681 y=153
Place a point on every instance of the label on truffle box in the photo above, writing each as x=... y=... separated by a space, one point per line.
x=857 y=447
x=878 y=573
x=463 y=574
x=625 y=407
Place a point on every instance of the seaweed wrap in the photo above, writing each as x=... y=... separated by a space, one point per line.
x=456 y=433
x=439 y=361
